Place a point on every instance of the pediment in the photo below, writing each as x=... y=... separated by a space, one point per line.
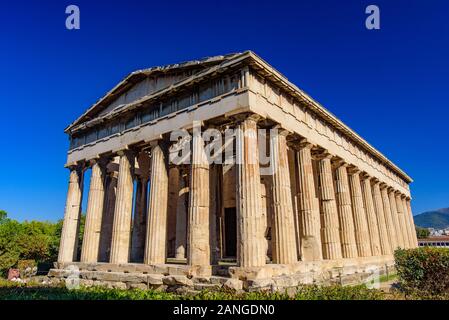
x=145 y=82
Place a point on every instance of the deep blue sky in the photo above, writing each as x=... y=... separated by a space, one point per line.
x=391 y=85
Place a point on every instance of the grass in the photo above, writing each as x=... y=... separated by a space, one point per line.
x=30 y=291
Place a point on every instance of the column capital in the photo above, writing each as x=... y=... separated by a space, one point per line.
x=241 y=117
x=77 y=165
x=391 y=189
x=102 y=161
x=353 y=170
x=365 y=176
x=322 y=154
x=305 y=144
x=383 y=185
x=339 y=162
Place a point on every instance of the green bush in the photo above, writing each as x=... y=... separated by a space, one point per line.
x=422 y=233
x=30 y=240
x=423 y=271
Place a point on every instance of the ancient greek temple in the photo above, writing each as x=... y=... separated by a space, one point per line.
x=299 y=198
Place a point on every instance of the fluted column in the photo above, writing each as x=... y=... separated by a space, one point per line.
x=362 y=238
x=412 y=222
x=121 y=230
x=250 y=233
x=156 y=238
x=140 y=220
x=181 y=218
x=373 y=228
x=107 y=221
x=385 y=244
x=396 y=221
x=408 y=223
x=310 y=236
x=69 y=235
x=284 y=242
x=346 y=221
x=92 y=227
x=402 y=222
x=330 y=231
x=391 y=230
x=198 y=231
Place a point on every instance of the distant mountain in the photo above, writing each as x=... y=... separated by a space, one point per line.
x=438 y=219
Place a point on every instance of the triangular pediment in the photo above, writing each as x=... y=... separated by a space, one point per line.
x=146 y=82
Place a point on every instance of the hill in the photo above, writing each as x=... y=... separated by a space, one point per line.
x=438 y=219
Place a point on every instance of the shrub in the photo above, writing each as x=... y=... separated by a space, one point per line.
x=422 y=233
x=423 y=271
x=337 y=292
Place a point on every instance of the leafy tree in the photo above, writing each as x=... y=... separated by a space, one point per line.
x=3 y=215
x=422 y=233
x=30 y=240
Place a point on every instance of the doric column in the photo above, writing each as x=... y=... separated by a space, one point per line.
x=92 y=227
x=69 y=235
x=373 y=229
x=346 y=221
x=396 y=221
x=156 y=238
x=402 y=221
x=362 y=238
x=107 y=221
x=412 y=222
x=140 y=219
x=284 y=242
x=408 y=223
x=385 y=244
x=121 y=230
x=181 y=217
x=250 y=233
x=391 y=230
x=198 y=232
x=330 y=231
x=310 y=236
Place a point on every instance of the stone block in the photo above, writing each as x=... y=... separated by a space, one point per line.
x=258 y=284
x=155 y=279
x=285 y=281
x=178 y=270
x=176 y=280
x=234 y=284
x=201 y=279
x=118 y=285
x=251 y=273
x=218 y=280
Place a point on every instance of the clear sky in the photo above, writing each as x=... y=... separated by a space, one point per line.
x=390 y=85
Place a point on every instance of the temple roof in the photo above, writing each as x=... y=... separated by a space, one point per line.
x=210 y=66
x=138 y=75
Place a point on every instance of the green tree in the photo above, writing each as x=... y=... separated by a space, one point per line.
x=30 y=240
x=422 y=233
x=3 y=215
